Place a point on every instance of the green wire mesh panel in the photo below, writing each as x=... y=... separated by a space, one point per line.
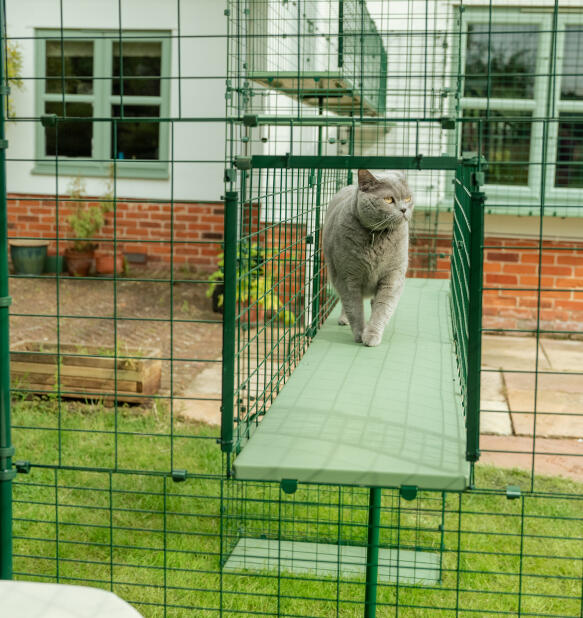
x=279 y=285
x=313 y=543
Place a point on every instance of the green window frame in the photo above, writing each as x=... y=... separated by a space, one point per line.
x=525 y=198
x=97 y=96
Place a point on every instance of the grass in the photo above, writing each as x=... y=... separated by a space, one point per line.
x=159 y=543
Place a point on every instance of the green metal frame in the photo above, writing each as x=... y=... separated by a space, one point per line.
x=7 y=473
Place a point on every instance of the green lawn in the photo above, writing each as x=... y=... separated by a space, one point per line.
x=158 y=543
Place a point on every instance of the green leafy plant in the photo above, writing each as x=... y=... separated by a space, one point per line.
x=88 y=218
x=254 y=284
x=13 y=72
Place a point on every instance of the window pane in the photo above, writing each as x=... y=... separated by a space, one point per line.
x=513 y=52
x=142 y=61
x=77 y=72
x=136 y=140
x=572 y=78
x=69 y=138
x=569 y=170
x=505 y=142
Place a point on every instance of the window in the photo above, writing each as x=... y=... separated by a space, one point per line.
x=97 y=75
x=509 y=88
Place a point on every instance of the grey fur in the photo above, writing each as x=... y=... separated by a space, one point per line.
x=366 y=246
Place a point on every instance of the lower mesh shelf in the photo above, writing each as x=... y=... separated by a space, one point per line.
x=327 y=559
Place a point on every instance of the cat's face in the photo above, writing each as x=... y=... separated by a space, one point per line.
x=384 y=199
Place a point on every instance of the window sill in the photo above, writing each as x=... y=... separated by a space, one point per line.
x=154 y=170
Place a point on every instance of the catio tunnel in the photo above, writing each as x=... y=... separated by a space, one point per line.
x=273 y=467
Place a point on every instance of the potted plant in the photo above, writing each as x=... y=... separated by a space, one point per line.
x=85 y=223
x=28 y=256
x=107 y=264
x=254 y=286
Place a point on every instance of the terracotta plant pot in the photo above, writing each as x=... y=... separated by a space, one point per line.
x=104 y=264
x=79 y=262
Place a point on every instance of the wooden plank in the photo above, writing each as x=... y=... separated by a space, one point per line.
x=80 y=383
x=75 y=370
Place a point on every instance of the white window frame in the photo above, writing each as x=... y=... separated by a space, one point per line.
x=102 y=99
x=527 y=198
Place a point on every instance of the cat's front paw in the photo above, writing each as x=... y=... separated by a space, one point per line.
x=357 y=336
x=371 y=338
x=343 y=320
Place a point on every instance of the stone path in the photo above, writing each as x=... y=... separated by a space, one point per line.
x=544 y=433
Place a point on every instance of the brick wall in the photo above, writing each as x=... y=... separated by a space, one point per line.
x=511 y=266
x=514 y=269
x=139 y=227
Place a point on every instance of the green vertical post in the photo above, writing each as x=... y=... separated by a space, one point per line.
x=6 y=448
x=316 y=280
x=372 y=552
x=473 y=178
x=229 y=320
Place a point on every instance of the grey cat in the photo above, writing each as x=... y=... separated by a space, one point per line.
x=366 y=246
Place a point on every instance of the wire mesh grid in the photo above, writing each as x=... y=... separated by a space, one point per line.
x=109 y=116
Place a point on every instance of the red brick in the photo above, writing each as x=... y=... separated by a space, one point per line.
x=533 y=282
x=563 y=271
x=573 y=260
x=573 y=305
x=502 y=301
x=502 y=279
x=502 y=256
x=572 y=282
x=534 y=302
x=529 y=269
x=534 y=257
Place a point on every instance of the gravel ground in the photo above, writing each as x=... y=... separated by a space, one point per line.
x=135 y=313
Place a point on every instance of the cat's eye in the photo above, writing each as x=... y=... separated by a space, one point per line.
x=408 y=199
x=389 y=200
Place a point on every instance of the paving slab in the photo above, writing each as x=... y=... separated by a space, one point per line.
x=552 y=457
x=564 y=355
x=495 y=418
x=558 y=400
x=513 y=353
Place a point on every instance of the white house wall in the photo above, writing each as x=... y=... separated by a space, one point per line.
x=202 y=84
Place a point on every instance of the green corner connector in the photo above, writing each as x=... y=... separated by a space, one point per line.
x=513 y=492
x=251 y=120
x=448 y=123
x=49 y=120
x=243 y=163
x=289 y=486
x=408 y=492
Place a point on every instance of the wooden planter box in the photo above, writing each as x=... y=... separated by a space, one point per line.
x=86 y=372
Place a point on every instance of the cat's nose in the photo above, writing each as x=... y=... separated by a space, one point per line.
x=403 y=210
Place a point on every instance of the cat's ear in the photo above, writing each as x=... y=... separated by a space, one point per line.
x=366 y=181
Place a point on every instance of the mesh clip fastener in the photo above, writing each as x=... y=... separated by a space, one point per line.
x=179 y=476
x=408 y=492
x=3 y=144
x=5 y=301
x=289 y=486
x=49 y=120
x=22 y=467
x=4 y=90
x=513 y=492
